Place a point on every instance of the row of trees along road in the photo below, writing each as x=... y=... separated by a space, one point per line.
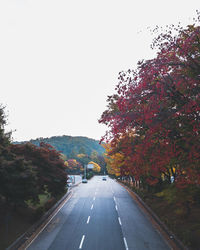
x=154 y=118
x=76 y=165
x=26 y=170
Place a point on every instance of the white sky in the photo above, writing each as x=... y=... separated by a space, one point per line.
x=59 y=59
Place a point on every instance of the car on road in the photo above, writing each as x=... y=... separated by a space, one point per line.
x=69 y=181
x=84 y=180
x=69 y=184
x=104 y=178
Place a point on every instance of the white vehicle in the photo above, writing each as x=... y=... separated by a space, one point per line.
x=84 y=180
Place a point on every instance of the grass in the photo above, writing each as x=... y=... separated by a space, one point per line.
x=43 y=199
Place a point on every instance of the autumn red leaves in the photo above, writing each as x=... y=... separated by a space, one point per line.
x=154 y=119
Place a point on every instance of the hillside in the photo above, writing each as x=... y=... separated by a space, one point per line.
x=71 y=145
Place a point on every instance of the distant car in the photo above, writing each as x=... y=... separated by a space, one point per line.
x=104 y=178
x=84 y=180
x=69 y=182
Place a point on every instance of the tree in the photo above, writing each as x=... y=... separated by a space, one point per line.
x=83 y=159
x=99 y=159
x=73 y=166
x=19 y=182
x=63 y=157
x=113 y=161
x=4 y=137
x=17 y=177
x=159 y=102
x=49 y=167
x=82 y=150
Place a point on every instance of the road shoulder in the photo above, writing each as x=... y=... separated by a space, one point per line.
x=169 y=237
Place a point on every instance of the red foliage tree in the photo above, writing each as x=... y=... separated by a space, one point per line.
x=49 y=167
x=160 y=103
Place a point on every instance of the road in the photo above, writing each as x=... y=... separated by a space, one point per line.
x=99 y=215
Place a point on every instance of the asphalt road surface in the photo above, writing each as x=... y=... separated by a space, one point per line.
x=99 y=215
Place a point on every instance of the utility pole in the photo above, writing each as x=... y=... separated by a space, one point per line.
x=85 y=171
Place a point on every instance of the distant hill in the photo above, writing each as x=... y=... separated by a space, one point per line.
x=71 y=145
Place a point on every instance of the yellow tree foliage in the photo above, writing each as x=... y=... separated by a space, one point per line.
x=81 y=155
x=72 y=164
x=114 y=161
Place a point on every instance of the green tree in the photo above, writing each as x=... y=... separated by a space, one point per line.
x=82 y=150
x=17 y=177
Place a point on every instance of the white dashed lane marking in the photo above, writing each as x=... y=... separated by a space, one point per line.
x=82 y=240
x=88 y=220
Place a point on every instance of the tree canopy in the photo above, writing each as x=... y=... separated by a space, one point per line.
x=27 y=170
x=154 y=118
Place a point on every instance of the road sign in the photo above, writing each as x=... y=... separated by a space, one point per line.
x=90 y=166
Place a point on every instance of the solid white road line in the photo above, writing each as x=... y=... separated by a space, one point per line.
x=50 y=220
x=125 y=243
x=92 y=207
x=119 y=221
x=114 y=198
x=88 y=220
x=116 y=207
x=81 y=244
x=94 y=199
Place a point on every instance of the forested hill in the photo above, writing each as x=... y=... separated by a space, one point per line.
x=71 y=145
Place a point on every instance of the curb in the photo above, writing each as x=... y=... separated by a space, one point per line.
x=74 y=185
x=24 y=237
x=171 y=237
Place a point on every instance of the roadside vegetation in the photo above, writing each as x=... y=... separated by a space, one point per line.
x=76 y=164
x=153 y=141
x=33 y=178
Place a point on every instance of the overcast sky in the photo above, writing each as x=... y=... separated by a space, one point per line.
x=59 y=59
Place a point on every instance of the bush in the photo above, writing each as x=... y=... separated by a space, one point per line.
x=89 y=175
